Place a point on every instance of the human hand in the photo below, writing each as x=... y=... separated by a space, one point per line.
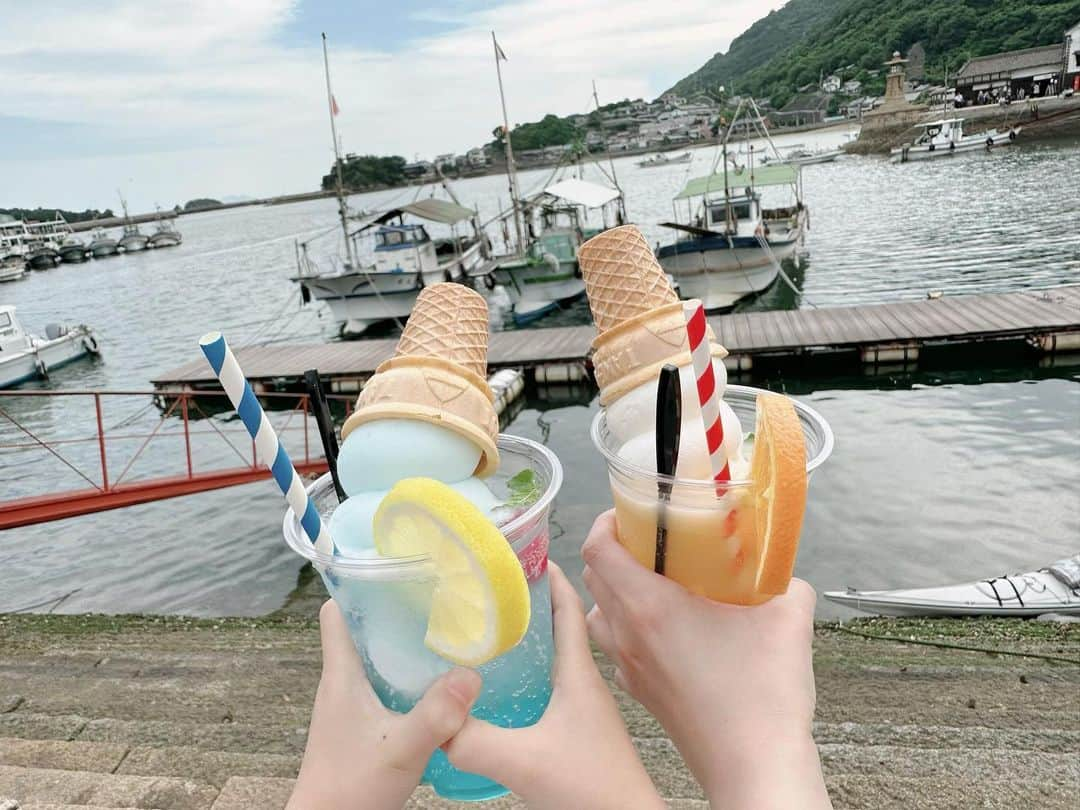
x=360 y=754
x=733 y=686
x=579 y=754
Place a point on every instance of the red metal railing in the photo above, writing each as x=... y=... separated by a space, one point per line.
x=26 y=439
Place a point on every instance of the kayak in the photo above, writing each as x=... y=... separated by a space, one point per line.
x=1054 y=589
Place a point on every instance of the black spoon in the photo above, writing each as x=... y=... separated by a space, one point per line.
x=668 y=426
x=321 y=411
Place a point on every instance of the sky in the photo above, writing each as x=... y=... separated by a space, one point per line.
x=167 y=100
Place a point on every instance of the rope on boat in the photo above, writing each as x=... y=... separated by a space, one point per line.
x=949 y=646
x=787 y=279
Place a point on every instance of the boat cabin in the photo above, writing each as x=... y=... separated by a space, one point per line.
x=404 y=248
x=737 y=215
x=12 y=337
x=940 y=133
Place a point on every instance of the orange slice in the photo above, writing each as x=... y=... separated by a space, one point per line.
x=778 y=490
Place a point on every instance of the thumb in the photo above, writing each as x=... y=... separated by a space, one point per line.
x=438 y=715
x=485 y=749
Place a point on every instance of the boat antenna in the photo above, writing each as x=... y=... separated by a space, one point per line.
x=511 y=172
x=343 y=210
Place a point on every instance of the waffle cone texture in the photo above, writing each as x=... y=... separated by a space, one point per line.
x=438 y=373
x=639 y=317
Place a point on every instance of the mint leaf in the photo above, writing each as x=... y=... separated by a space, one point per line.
x=524 y=489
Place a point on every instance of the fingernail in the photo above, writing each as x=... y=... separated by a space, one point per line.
x=464 y=684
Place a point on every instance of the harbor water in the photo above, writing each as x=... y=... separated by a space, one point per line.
x=935 y=477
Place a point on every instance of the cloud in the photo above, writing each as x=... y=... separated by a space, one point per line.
x=240 y=108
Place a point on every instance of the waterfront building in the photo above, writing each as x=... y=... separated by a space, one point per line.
x=805 y=108
x=1042 y=71
x=1072 y=59
x=831 y=84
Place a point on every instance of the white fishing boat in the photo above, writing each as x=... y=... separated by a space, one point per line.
x=102 y=244
x=665 y=160
x=165 y=234
x=1054 y=589
x=945 y=137
x=26 y=357
x=405 y=260
x=132 y=240
x=728 y=245
x=12 y=268
x=556 y=222
x=13 y=251
x=73 y=251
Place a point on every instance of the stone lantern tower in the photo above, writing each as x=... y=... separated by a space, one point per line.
x=894 y=82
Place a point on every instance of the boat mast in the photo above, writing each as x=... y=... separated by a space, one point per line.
x=343 y=210
x=515 y=200
x=611 y=160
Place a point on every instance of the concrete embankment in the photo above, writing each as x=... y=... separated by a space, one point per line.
x=1039 y=119
x=181 y=714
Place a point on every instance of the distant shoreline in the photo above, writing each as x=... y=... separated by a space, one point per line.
x=497 y=168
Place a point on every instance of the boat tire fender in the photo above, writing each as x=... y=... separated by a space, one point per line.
x=90 y=342
x=931 y=148
x=1012 y=134
x=489 y=281
x=989 y=142
x=952 y=146
x=447 y=276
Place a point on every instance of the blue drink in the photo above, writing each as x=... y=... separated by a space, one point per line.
x=386 y=604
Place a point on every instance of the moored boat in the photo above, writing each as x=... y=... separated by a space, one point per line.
x=406 y=259
x=945 y=138
x=12 y=267
x=43 y=240
x=165 y=234
x=728 y=245
x=102 y=245
x=546 y=275
x=1054 y=589
x=13 y=249
x=43 y=256
x=132 y=240
x=664 y=160
x=72 y=251
x=26 y=357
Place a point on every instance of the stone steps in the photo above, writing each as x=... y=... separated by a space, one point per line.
x=139 y=713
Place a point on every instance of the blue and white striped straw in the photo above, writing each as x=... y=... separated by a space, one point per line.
x=270 y=450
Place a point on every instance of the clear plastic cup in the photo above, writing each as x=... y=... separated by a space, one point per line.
x=711 y=545
x=386 y=604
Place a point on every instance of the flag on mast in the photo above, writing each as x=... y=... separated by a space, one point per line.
x=499 y=54
x=334 y=108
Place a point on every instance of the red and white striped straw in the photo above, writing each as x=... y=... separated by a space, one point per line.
x=701 y=354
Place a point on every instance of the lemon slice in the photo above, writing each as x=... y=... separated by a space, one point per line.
x=480 y=607
x=778 y=491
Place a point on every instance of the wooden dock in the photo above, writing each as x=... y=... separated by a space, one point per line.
x=881 y=334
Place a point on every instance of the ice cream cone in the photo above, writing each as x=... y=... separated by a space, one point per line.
x=638 y=315
x=438 y=373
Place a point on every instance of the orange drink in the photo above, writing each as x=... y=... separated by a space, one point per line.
x=734 y=542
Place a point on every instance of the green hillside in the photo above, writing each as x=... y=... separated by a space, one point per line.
x=759 y=44
x=862 y=33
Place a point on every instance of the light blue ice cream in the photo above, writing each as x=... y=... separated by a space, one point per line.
x=378 y=454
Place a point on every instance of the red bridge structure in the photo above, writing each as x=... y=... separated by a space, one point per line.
x=197 y=441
